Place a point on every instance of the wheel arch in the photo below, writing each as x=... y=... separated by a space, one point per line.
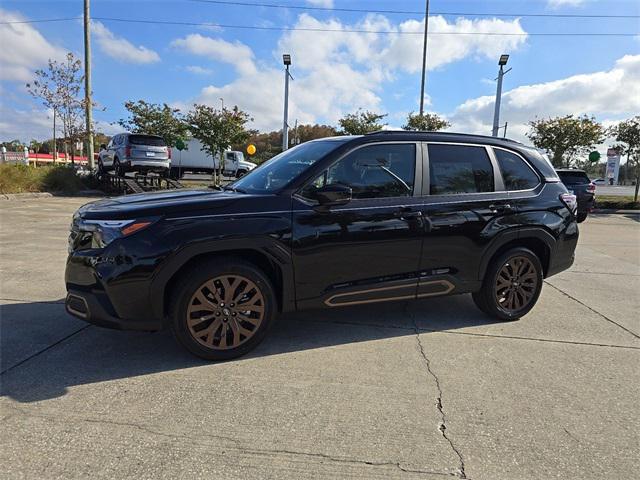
x=538 y=240
x=271 y=260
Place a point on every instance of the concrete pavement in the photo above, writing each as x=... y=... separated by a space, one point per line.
x=428 y=389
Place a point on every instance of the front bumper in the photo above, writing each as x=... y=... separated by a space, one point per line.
x=93 y=309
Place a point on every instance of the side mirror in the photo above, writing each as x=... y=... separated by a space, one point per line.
x=333 y=194
x=103 y=146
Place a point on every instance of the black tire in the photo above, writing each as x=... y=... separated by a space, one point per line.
x=118 y=169
x=581 y=217
x=184 y=307
x=100 y=167
x=174 y=173
x=240 y=173
x=526 y=286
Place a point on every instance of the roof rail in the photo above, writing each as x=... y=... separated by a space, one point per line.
x=453 y=134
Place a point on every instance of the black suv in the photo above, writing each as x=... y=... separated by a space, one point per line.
x=338 y=221
x=584 y=189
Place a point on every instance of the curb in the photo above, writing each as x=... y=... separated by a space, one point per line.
x=28 y=195
x=615 y=211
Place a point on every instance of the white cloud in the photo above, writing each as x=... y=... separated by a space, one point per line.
x=565 y=3
x=402 y=50
x=198 y=70
x=25 y=124
x=24 y=49
x=321 y=3
x=341 y=72
x=237 y=53
x=612 y=94
x=120 y=48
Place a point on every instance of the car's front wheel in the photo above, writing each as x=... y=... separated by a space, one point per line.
x=511 y=286
x=223 y=309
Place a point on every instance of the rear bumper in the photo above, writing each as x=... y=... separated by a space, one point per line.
x=147 y=164
x=93 y=309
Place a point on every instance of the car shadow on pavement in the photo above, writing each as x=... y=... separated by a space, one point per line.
x=44 y=351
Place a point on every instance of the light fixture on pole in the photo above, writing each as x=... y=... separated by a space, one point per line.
x=496 y=113
x=286 y=59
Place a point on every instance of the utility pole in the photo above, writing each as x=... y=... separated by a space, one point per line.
x=286 y=58
x=87 y=84
x=496 y=113
x=55 y=144
x=424 y=57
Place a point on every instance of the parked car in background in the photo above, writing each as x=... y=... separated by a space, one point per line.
x=599 y=181
x=333 y=222
x=135 y=152
x=195 y=160
x=578 y=183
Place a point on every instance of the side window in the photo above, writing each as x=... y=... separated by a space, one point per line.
x=376 y=171
x=459 y=169
x=517 y=175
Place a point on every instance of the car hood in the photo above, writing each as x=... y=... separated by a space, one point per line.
x=169 y=203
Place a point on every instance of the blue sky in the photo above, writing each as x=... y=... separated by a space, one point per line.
x=335 y=72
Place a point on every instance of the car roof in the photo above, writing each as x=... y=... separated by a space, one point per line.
x=427 y=136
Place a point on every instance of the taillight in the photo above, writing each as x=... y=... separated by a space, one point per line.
x=127 y=151
x=169 y=152
x=591 y=188
x=570 y=200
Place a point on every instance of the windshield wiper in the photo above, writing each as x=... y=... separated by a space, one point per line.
x=234 y=189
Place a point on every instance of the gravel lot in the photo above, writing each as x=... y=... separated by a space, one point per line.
x=429 y=389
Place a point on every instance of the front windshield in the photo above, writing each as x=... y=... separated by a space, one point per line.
x=283 y=168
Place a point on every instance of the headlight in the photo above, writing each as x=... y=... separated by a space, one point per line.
x=103 y=232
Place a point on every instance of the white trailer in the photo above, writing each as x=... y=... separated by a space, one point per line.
x=195 y=160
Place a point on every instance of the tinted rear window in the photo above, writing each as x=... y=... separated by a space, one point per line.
x=574 y=178
x=146 y=140
x=515 y=172
x=459 y=169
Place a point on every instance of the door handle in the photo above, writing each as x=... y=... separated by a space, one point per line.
x=407 y=213
x=502 y=207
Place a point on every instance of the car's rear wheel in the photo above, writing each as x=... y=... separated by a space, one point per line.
x=223 y=310
x=581 y=217
x=511 y=286
x=118 y=168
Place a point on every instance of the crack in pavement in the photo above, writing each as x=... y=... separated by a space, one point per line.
x=593 y=310
x=443 y=423
x=236 y=442
x=30 y=357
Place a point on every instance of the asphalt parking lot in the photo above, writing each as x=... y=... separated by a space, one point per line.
x=429 y=389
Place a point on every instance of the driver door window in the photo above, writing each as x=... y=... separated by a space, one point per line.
x=376 y=171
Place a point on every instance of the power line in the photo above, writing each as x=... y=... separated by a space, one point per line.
x=329 y=30
x=410 y=12
x=44 y=20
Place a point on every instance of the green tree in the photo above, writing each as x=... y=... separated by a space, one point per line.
x=361 y=122
x=566 y=137
x=59 y=87
x=217 y=130
x=427 y=122
x=627 y=133
x=155 y=119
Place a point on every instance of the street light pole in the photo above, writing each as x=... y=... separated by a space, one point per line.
x=424 y=57
x=496 y=113
x=87 y=84
x=286 y=58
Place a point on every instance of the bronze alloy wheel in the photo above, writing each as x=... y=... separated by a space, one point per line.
x=225 y=312
x=516 y=284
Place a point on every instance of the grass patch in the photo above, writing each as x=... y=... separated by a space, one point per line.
x=55 y=179
x=623 y=202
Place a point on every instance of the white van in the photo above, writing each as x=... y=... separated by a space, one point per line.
x=194 y=160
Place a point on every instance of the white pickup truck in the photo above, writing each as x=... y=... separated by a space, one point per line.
x=194 y=160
